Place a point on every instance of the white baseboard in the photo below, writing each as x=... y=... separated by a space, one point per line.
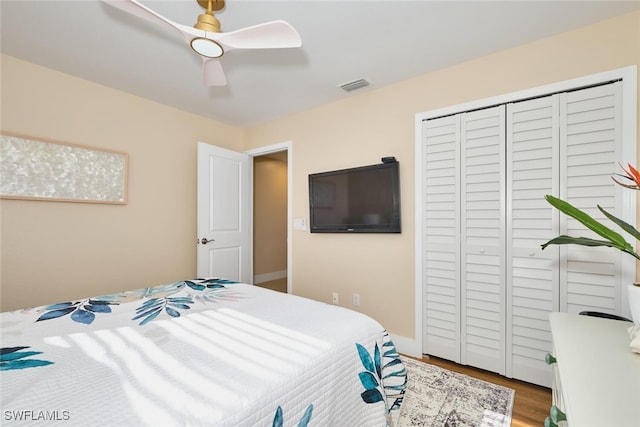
x=266 y=277
x=407 y=346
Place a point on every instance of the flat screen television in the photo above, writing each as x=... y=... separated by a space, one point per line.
x=364 y=199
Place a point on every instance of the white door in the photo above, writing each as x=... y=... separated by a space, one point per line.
x=224 y=221
x=441 y=207
x=591 y=124
x=464 y=238
x=482 y=238
x=533 y=275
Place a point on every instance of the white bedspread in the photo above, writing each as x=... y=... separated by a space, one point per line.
x=199 y=352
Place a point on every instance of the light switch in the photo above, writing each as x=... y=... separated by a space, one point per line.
x=299 y=224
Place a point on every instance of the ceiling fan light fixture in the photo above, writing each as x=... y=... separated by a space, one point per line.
x=206 y=47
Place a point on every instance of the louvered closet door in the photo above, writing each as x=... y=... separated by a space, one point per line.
x=489 y=287
x=532 y=274
x=441 y=275
x=590 y=132
x=483 y=239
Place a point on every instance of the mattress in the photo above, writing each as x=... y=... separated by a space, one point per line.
x=207 y=352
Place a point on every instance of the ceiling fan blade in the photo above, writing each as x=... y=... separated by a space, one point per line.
x=270 y=35
x=141 y=11
x=213 y=74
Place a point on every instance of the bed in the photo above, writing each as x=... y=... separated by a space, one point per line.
x=205 y=352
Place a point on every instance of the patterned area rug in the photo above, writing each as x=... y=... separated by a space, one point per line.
x=437 y=397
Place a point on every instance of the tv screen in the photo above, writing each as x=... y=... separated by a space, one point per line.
x=365 y=199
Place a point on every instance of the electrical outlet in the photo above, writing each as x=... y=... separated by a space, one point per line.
x=356 y=299
x=335 y=299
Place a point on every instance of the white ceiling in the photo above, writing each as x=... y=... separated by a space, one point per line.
x=383 y=41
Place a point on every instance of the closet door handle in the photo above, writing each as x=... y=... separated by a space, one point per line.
x=204 y=240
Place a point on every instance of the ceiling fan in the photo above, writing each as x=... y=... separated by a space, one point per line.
x=206 y=39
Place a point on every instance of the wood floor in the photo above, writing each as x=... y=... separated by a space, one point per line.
x=279 y=285
x=531 y=404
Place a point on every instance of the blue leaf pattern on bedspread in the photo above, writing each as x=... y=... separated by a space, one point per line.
x=81 y=311
x=301 y=365
x=385 y=377
x=158 y=299
x=14 y=358
x=278 y=419
x=153 y=307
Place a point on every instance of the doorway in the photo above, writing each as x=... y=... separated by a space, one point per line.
x=274 y=162
x=270 y=195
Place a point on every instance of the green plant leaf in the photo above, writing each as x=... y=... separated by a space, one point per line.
x=588 y=221
x=582 y=241
x=614 y=239
x=622 y=224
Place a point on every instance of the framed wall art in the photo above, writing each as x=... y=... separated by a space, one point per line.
x=39 y=169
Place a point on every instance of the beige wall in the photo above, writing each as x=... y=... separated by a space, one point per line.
x=361 y=129
x=54 y=251
x=269 y=215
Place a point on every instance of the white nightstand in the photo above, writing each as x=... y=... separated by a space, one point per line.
x=596 y=375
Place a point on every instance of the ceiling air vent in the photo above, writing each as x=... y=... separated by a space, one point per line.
x=356 y=84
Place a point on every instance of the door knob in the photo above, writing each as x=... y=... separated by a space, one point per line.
x=204 y=240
